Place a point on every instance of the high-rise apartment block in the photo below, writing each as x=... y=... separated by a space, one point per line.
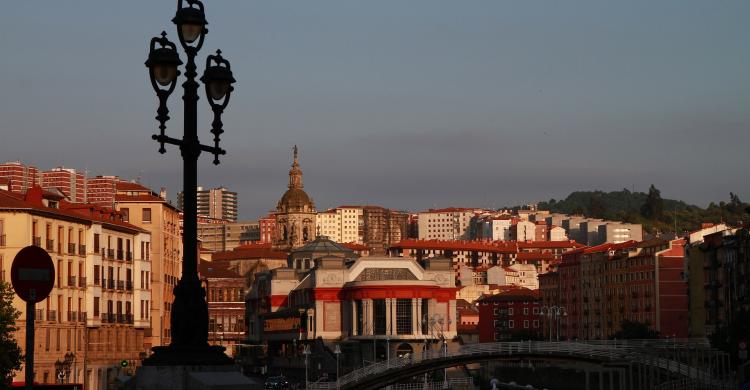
x=68 y=181
x=219 y=203
x=100 y=190
x=20 y=177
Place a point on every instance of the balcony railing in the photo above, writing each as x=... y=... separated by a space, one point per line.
x=119 y=254
x=71 y=281
x=111 y=254
x=111 y=284
x=37 y=241
x=52 y=315
x=71 y=249
x=129 y=256
x=2 y=239
x=82 y=282
x=82 y=250
x=72 y=316
x=129 y=285
x=129 y=318
x=82 y=316
x=120 y=285
x=50 y=245
x=120 y=318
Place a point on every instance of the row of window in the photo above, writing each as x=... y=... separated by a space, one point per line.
x=510 y=324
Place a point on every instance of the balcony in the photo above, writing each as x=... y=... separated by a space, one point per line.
x=82 y=282
x=120 y=285
x=111 y=254
x=111 y=284
x=128 y=318
x=50 y=245
x=82 y=316
x=2 y=239
x=119 y=254
x=82 y=250
x=72 y=316
x=37 y=241
x=71 y=249
x=129 y=285
x=129 y=256
x=120 y=318
x=39 y=314
x=71 y=281
x=108 y=318
x=52 y=315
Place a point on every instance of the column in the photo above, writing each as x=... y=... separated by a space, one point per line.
x=354 y=317
x=369 y=326
x=415 y=308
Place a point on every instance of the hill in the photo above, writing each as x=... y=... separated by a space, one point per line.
x=649 y=209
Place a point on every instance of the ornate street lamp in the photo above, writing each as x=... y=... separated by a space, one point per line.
x=189 y=320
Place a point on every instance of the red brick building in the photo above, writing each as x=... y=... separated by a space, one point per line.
x=511 y=314
x=225 y=293
x=267 y=226
x=21 y=177
x=68 y=181
x=601 y=286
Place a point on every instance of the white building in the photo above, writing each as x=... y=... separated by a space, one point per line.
x=557 y=233
x=522 y=275
x=501 y=228
x=445 y=224
x=523 y=231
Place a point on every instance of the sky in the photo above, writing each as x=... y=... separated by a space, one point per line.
x=405 y=104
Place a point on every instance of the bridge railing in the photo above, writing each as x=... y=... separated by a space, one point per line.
x=610 y=350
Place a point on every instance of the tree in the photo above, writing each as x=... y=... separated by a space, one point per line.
x=654 y=205
x=10 y=352
x=635 y=330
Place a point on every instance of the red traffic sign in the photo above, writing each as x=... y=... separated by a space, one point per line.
x=32 y=274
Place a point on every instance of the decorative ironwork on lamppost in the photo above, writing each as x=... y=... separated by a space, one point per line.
x=189 y=320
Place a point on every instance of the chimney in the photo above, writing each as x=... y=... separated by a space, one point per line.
x=163 y=193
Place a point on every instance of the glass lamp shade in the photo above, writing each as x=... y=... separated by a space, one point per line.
x=217 y=89
x=165 y=74
x=191 y=32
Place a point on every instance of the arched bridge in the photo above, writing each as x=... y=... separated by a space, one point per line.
x=639 y=364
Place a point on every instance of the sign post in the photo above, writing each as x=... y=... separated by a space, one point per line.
x=32 y=275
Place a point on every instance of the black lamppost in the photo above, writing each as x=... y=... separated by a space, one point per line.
x=189 y=320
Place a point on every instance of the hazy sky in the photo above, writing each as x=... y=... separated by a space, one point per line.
x=404 y=104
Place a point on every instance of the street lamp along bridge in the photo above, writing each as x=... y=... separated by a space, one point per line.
x=189 y=320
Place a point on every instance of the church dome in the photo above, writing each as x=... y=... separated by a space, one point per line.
x=295 y=199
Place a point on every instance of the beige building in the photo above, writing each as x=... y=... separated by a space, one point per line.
x=445 y=224
x=342 y=224
x=143 y=208
x=225 y=236
x=98 y=309
x=557 y=233
x=521 y=275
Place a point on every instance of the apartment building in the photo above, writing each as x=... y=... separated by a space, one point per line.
x=68 y=181
x=98 y=309
x=101 y=190
x=21 y=177
x=145 y=209
x=219 y=203
x=446 y=224
x=603 y=285
x=220 y=235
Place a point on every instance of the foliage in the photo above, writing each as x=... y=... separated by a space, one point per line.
x=10 y=352
x=635 y=330
x=651 y=210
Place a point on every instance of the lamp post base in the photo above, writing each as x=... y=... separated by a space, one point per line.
x=209 y=355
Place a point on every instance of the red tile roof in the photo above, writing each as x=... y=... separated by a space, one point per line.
x=450 y=210
x=514 y=293
x=250 y=251
x=355 y=247
x=482 y=246
x=217 y=269
x=548 y=244
x=85 y=213
x=128 y=186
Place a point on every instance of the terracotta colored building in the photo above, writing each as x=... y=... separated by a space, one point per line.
x=67 y=181
x=511 y=314
x=225 y=293
x=21 y=177
x=601 y=286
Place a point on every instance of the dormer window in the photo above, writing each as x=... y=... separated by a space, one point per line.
x=53 y=204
